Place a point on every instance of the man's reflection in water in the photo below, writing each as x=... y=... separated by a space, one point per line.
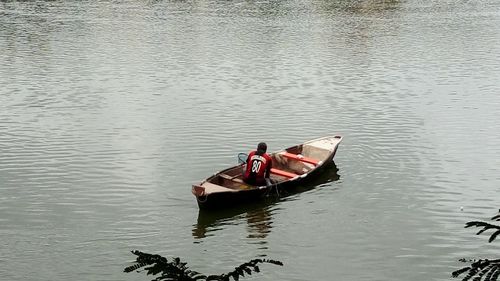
x=258 y=215
x=259 y=223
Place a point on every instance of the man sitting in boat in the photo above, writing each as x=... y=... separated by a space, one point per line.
x=258 y=166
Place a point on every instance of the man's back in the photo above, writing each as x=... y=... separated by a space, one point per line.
x=258 y=166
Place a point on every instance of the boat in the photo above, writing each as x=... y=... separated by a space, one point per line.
x=291 y=167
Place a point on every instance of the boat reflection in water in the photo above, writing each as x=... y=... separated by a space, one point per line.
x=258 y=215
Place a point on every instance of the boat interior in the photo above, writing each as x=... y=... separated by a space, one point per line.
x=290 y=163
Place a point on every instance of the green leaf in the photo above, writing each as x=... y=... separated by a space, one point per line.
x=494 y=236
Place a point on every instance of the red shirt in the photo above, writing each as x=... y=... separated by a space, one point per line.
x=258 y=168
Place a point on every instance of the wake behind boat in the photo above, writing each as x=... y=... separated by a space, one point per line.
x=291 y=166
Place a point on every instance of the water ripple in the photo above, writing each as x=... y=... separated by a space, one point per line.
x=109 y=111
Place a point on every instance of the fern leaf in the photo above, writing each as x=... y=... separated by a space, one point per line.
x=474 y=223
x=482 y=273
x=134 y=267
x=482 y=230
x=274 y=262
x=494 y=236
x=136 y=252
x=195 y=275
x=495 y=275
x=156 y=268
x=470 y=274
x=497 y=217
x=490 y=274
x=457 y=273
x=176 y=270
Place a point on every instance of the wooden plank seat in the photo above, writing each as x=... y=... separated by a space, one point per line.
x=228 y=177
x=273 y=171
x=283 y=173
x=208 y=188
x=300 y=158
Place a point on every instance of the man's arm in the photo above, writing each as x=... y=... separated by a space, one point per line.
x=268 y=169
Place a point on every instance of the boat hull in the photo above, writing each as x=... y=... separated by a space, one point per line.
x=223 y=200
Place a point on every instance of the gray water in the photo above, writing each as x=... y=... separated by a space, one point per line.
x=111 y=110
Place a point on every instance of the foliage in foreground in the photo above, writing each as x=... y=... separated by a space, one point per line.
x=176 y=270
x=483 y=269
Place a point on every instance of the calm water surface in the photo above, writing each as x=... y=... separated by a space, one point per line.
x=110 y=110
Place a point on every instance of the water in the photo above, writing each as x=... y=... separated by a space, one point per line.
x=110 y=110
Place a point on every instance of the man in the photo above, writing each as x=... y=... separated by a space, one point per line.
x=258 y=166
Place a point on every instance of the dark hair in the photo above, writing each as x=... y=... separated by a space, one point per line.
x=261 y=148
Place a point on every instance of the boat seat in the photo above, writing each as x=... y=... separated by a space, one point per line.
x=214 y=188
x=228 y=177
x=300 y=158
x=283 y=173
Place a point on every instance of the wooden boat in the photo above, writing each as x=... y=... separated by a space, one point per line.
x=291 y=166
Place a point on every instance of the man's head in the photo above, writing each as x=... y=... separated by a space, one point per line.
x=262 y=148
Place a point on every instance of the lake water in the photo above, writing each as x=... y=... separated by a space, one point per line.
x=111 y=110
